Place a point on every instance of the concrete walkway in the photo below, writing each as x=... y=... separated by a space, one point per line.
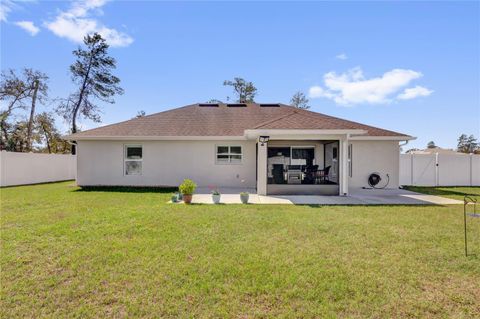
x=359 y=197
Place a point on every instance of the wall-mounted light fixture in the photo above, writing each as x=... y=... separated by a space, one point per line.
x=263 y=139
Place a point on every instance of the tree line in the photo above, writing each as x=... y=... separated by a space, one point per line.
x=465 y=144
x=23 y=129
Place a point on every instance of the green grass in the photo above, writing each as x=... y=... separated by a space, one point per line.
x=67 y=253
x=455 y=192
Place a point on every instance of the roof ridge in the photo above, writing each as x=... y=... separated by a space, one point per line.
x=275 y=119
x=308 y=112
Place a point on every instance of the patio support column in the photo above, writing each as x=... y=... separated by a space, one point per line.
x=344 y=166
x=262 y=168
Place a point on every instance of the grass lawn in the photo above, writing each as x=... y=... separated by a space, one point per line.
x=71 y=253
x=455 y=192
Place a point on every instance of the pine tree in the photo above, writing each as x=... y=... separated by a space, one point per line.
x=92 y=72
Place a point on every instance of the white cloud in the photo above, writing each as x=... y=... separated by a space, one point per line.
x=7 y=6
x=411 y=93
x=28 y=26
x=77 y=22
x=352 y=87
x=341 y=56
x=5 y=9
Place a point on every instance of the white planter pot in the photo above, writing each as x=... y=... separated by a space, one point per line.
x=216 y=199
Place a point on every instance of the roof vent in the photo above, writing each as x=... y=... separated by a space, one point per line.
x=270 y=105
x=237 y=105
x=208 y=104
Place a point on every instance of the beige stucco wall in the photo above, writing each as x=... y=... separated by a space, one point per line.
x=374 y=156
x=165 y=163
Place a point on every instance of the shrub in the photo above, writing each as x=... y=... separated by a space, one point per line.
x=187 y=187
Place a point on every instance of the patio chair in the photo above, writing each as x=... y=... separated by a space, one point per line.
x=322 y=175
x=278 y=174
x=310 y=174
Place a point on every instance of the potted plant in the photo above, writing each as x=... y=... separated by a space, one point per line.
x=244 y=197
x=215 y=196
x=174 y=198
x=187 y=188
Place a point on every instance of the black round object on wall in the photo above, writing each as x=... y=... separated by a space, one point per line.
x=374 y=179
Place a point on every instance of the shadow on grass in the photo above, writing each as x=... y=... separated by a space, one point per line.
x=38 y=184
x=443 y=191
x=127 y=189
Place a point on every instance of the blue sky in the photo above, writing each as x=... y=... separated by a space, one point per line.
x=412 y=67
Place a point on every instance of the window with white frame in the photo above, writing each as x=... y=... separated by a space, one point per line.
x=228 y=154
x=133 y=158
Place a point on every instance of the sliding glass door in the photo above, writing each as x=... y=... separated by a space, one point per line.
x=302 y=155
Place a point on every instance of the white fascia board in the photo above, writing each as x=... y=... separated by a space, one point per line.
x=294 y=134
x=382 y=138
x=155 y=138
x=252 y=134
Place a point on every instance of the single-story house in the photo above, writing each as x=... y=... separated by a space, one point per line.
x=273 y=148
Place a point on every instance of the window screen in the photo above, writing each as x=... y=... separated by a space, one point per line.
x=133 y=159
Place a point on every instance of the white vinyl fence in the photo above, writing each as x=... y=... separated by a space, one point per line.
x=440 y=169
x=31 y=168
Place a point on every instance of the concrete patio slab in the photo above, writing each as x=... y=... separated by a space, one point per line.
x=358 y=197
x=399 y=197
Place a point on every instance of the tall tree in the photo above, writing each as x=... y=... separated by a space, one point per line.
x=467 y=144
x=45 y=125
x=48 y=134
x=299 y=100
x=16 y=91
x=92 y=72
x=38 y=83
x=431 y=144
x=244 y=91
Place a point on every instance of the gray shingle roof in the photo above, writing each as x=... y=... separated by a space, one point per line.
x=196 y=120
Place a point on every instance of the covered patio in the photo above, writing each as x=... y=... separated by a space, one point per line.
x=303 y=167
x=302 y=162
